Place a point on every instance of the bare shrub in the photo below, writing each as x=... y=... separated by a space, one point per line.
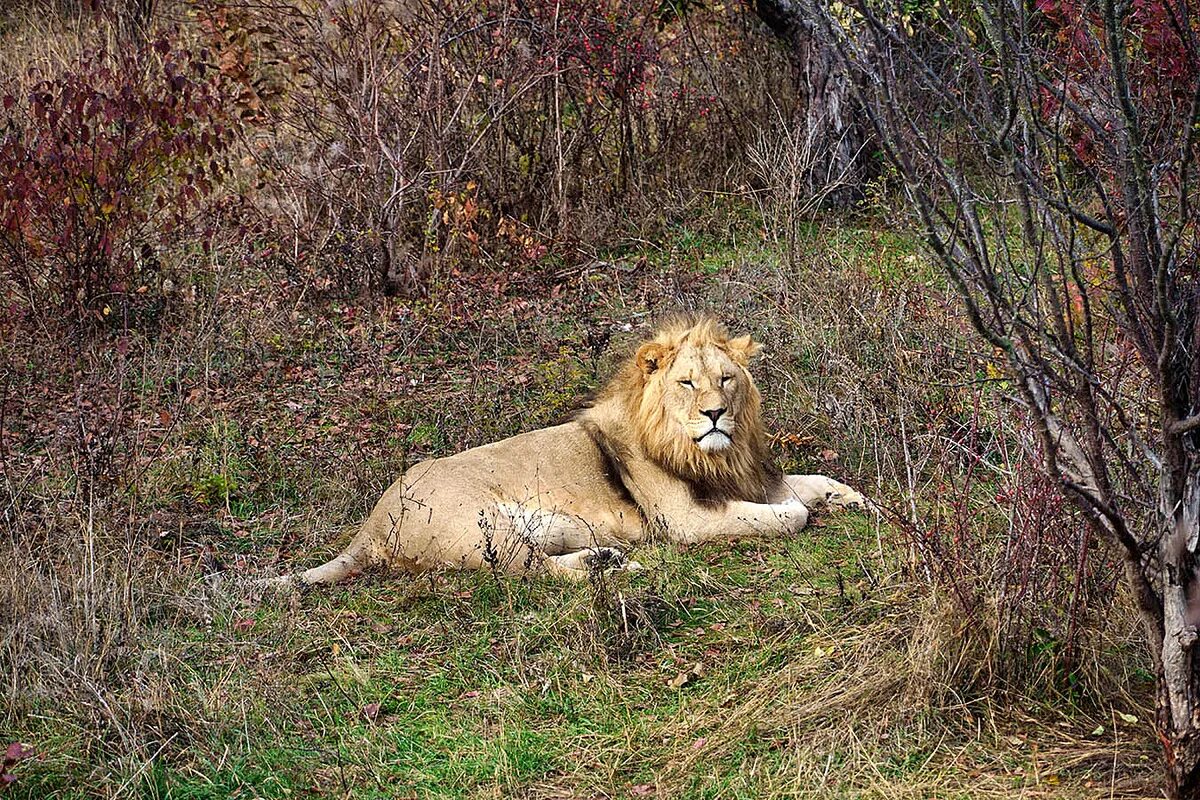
x=1048 y=154
x=788 y=159
x=1022 y=565
x=405 y=137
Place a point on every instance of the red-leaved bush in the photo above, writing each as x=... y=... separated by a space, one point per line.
x=1161 y=70
x=105 y=164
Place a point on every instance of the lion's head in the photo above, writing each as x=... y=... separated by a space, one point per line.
x=689 y=396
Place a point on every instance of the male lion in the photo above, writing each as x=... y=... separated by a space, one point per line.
x=672 y=447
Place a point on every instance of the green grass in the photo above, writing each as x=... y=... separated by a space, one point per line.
x=460 y=686
x=816 y=666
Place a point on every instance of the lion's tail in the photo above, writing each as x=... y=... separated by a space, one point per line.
x=351 y=561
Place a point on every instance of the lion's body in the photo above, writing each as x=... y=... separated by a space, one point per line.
x=540 y=491
x=628 y=467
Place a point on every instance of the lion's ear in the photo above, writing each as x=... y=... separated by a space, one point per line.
x=650 y=357
x=742 y=349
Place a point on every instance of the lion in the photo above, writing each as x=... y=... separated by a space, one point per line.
x=672 y=448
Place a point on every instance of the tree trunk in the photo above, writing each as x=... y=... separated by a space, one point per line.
x=1176 y=709
x=830 y=116
x=1183 y=766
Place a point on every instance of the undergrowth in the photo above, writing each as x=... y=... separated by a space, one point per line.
x=246 y=397
x=827 y=665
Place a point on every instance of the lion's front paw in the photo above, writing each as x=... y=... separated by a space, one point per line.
x=793 y=513
x=840 y=496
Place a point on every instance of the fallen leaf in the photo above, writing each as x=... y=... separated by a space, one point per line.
x=17 y=751
x=1130 y=718
x=641 y=790
x=370 y=712
x=684 y=678
x=696 y=745
x=244 y=624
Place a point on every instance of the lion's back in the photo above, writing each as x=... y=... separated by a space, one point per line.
x=560 y=468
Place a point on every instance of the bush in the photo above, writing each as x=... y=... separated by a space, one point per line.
x=410 y=136
x=1022 y=565
x=105 y=164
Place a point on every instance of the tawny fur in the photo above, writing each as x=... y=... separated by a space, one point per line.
x=672 y=447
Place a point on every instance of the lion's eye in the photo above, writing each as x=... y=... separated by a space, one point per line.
x=726 y=379
x=688 y=384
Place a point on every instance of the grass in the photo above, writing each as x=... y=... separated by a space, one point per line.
x=459 y=686
x=252 y=426
x=822 y=666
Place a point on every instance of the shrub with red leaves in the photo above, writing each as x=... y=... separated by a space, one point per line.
x=105 y=164
x=1160 y=64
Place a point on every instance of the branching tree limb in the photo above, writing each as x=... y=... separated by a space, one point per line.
x=1047 y=150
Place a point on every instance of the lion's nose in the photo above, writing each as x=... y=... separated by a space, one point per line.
x=714 y=414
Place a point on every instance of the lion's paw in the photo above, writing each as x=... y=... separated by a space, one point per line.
x=840 y=496
x=610 y=559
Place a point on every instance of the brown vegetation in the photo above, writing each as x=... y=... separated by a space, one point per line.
x=428 y=226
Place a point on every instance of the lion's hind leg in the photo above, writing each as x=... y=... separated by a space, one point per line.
x=518 y=537
x=526 y=538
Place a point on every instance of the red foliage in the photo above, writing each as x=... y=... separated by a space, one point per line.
x=1162 y=63
x=614 y=44
x=103 y=162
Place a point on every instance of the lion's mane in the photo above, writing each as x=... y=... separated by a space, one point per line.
x=744 y=471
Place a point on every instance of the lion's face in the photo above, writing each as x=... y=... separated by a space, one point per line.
x=698 y=398
x=702 y=392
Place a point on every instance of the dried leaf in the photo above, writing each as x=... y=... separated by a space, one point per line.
x=690 y=676
x=17 y=751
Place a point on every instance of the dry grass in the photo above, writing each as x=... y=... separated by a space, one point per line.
x=827 y=670
x=263 y=421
